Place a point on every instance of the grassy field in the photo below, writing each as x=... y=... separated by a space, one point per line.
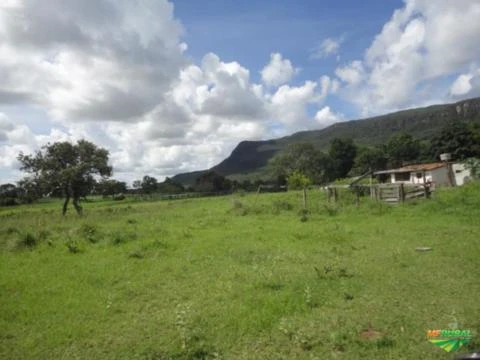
x=239 y=277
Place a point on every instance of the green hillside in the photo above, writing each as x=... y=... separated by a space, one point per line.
x=249 y=158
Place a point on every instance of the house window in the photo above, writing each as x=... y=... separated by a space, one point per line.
x=405 y=176
x=419 y=175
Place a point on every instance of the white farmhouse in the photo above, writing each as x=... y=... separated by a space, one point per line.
x=437 y=174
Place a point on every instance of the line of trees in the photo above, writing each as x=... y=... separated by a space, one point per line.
x=344 y=158
x=73 y=171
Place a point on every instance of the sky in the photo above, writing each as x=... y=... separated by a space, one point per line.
x=173 y=86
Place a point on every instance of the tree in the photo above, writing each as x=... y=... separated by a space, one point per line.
x=110 y=187
x=402 y=147
x=170 y=186
x=305 y=159
x=297 y=180
x=370 y=159
x=137 y=185
x=67 y=167
x=9 y=194
x=149 y=184
x=457 y=138
x=342 y=152
x=211 y=181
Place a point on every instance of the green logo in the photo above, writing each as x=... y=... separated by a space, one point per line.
x=449 y=340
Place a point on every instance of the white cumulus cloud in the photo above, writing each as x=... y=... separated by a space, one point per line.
x=278 y=71
x=329 y=46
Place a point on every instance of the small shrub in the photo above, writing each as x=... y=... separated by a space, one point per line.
x=330 y=210
x=119 y=197
x=239 y=208
x=90 y=232
x=11 y=230
x=279 y=205
x=241 y=193
x=131 y=221
x=237 y=204
x=43 y=235
x=27 y=240
x=119 y=238
x=385 y=342
x=73 y=247
x=8 y=201
x=303 y=212
x=137 y=254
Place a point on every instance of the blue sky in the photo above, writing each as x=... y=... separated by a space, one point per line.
x=249 y=31
x=173 y=86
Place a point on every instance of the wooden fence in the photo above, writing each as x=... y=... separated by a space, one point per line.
x=389 y=193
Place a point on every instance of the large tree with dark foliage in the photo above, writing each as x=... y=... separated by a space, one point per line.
x=459 y=138
x=304 y=159
x=148 y=185
x=370 y=159
x=169 y=186
x=342 y=153
x=210 y=181
x=67 y=167
x=110 y=187
x=402 y=148
x=9 y=195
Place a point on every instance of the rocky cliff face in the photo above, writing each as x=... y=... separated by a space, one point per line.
x=468 y=109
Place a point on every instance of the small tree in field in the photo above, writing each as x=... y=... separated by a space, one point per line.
x=66 y=167
x=297 y=180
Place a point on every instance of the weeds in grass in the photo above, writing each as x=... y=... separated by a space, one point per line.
x=331 y=210
x=307 y=295
x=11 y=230
x=90 y=232
x=385 y=342
x=302 y=338
x=182 y=323
x=239 y=208
x=332 y=271
x=281 y=205
x=43 y=235
x=73 y=246
x=119 y=238
x=136 y=254
x=27 y=240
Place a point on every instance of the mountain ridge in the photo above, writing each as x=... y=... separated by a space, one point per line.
x=250 y=157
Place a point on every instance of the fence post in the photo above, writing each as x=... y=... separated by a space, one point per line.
x=401 y=193
x=357 y=196
x=305 y=197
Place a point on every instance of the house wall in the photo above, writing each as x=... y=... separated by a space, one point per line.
x=437 y=176
x=461 y=174
x=419 y=180
x=412 y=178
x=440 y=177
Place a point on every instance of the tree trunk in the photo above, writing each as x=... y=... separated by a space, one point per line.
x=77 y=205
x=65 y=204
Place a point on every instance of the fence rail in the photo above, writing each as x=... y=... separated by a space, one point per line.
x=389 y=193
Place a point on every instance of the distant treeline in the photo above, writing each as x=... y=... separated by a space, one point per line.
x=344 y=158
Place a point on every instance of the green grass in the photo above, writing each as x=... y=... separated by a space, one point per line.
x=238 y=278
